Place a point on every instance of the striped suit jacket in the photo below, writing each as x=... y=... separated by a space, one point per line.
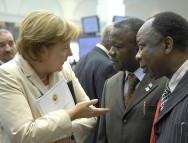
x=172 y=123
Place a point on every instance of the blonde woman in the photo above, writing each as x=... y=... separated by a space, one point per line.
x=43 y=47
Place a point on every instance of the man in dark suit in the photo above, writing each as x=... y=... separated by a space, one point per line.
x=93 y=69
x=129 y=123
x=163 y=51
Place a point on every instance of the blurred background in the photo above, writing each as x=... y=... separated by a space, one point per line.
x=90 y=15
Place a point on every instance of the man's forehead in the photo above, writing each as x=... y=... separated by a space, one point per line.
x=7 y=34
x=4 y=31
x=146 y=29
x=120 y=32
x=146 y=26
x=6 y=39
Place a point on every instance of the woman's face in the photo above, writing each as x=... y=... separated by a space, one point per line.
x=56 y=55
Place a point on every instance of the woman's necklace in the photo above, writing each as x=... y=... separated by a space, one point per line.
x=43 y=79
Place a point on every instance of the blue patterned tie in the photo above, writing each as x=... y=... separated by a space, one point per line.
x=165 y=96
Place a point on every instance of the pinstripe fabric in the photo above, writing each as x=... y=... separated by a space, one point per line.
x=154 y=121
x=172 y=123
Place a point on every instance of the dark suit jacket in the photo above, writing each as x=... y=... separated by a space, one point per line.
x=131 y=125
x=92 y=70
x=172 y=123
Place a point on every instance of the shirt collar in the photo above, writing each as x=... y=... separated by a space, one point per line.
x=178 y=76
x=103 y=48
x=138 y=73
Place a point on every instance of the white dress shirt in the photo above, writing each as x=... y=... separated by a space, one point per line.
x=138 y=73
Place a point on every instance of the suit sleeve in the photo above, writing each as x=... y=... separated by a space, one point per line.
x=81 y=127
x=105 y=72
x=17 y=117
x=101 y=137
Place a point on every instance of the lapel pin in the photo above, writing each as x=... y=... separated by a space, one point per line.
x=150 y=85
x=147 y=88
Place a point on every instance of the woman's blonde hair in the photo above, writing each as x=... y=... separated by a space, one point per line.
x=42 y=28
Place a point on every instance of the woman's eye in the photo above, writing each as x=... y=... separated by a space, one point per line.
x=64 y=49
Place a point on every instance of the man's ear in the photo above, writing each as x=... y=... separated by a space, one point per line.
x=169 y=43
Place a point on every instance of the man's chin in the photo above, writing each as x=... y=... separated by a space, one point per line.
x=116 y=68
x=152 y=75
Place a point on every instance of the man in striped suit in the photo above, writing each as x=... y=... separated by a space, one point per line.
x=163 y=51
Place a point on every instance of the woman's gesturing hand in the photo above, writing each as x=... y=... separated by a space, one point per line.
x=85 y=110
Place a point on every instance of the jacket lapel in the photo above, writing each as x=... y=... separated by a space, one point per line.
x=30 y=74
x=146 y=86
x=119 y=93
x=176 y=96
x=37 y=83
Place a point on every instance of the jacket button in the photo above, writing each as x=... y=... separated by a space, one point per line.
x=157 y=134
x=125 y=121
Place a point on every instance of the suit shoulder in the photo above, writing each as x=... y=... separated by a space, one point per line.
x=162 y=80
x=118 y=75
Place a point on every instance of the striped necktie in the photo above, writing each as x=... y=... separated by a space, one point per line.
x=165 y=96
x=160 y=106
x=132 y=82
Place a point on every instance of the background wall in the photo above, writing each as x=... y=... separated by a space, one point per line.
x=146 y=8
x=14 y=11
